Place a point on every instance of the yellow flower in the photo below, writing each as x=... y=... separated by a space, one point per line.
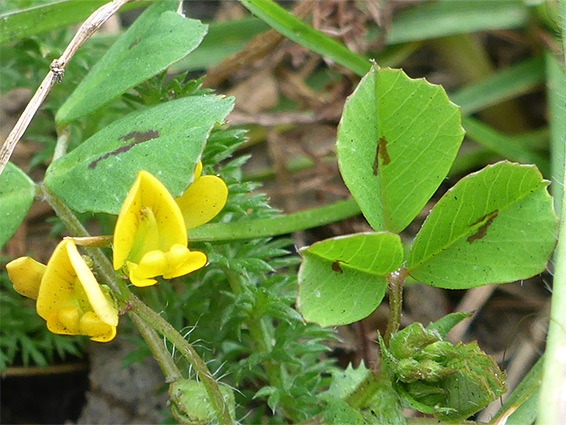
x=203 y=199
x=68 y=296
x=150 y=237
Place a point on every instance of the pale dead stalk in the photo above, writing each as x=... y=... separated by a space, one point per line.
x=55 y=74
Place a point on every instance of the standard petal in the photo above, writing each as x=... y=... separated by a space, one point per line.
x=127 y=225
x=147 y=199
x=57 y=285
x=25 y=274
x=202 y=200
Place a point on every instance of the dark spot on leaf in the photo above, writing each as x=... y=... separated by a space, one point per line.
x=381 y=152
x=134 y=43
x=138 y=136
x=336 y=266
x=482 y=230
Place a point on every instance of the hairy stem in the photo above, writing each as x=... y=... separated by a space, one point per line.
x=164 y=328
x=151 y=338
x=395 y=282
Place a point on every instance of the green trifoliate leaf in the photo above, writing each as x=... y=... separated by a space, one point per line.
x=17 y=191
x=343 y=279
x=167 y=140
x=158 y=38
x=190 y=402
x=493 y=226
x=396 y=143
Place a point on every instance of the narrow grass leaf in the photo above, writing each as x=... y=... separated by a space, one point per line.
x=275 y=226
x=58 y=14
x=512 y=82
x=556 y=94
x=445 y=18
x=296 y=30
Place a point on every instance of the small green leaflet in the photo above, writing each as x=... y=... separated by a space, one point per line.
x=158 y=38
x=167 y=140
x=397 y=140
x=493 y=226
x=343 y=279
x=17 y=191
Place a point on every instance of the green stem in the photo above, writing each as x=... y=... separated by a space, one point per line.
x=151 y=338
x=63 y=135
x=395 y=282
x=155 y=321
x=552 y=397
x=164 y=328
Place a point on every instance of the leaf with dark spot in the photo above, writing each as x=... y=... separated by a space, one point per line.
x=134 y=43
x=138 y=136
x=336 y=267
x=482 y=230
x=382 y=151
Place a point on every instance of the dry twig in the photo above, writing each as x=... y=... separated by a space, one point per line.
x=55 y=74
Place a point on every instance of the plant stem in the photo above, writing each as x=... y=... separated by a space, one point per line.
x=165 y=361
x=63 y=136
x=553 y=389
x=552 y=397
x=146 y=314
x=395 y=282
x=187 y=351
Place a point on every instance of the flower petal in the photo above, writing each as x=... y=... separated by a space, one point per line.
x=96 y=329
x=147 y=193
x=198 y=171
x=202 y=200
x=57 y=285
x=65 y=270
x=152 y=264
x=96 y=297
x=55 y=325
x=181 y=261
x=25 y=274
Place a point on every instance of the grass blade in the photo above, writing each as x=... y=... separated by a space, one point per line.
x=268 y=227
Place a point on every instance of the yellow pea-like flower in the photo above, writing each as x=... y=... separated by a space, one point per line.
x=68 y=296
x=150 y=237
